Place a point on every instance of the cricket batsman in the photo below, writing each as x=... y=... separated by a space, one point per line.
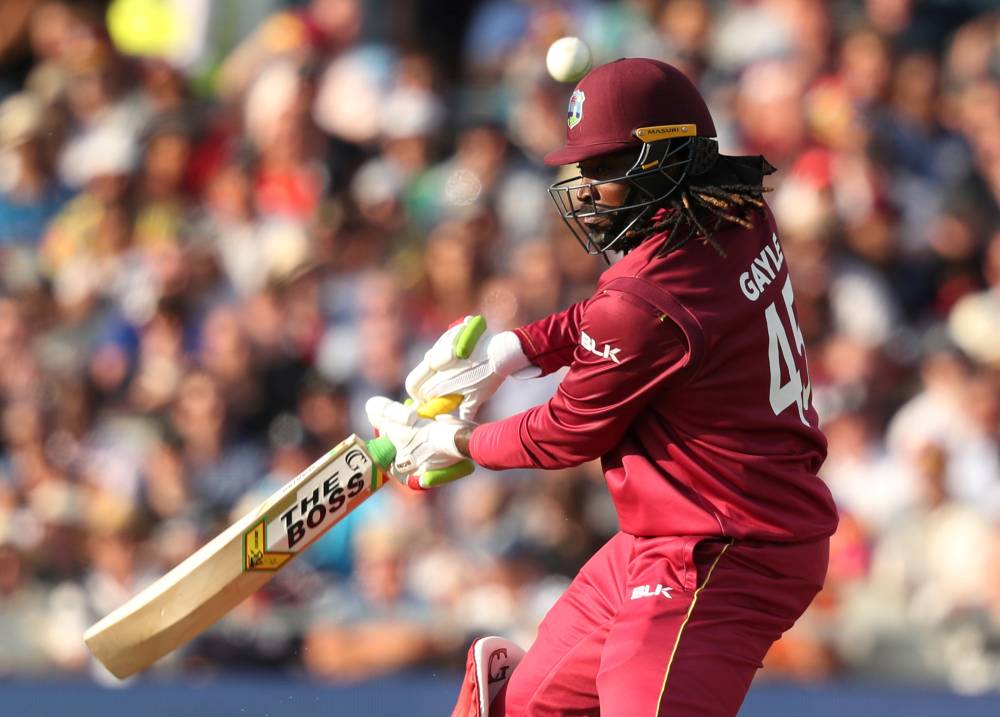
x=688 y=380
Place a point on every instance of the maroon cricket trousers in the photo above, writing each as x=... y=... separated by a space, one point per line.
x=671 y=626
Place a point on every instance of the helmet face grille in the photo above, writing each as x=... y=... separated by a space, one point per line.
x=660 y=168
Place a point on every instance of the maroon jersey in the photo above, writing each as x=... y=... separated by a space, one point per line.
x=688 y=378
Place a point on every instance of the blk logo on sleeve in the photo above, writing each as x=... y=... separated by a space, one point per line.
x=645 y=591
x=605 y=351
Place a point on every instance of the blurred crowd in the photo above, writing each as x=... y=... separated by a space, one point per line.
x=224 y=225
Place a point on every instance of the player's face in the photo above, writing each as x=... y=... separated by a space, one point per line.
x=603 y=194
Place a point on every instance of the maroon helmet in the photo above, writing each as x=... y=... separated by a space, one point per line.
x=632 y=104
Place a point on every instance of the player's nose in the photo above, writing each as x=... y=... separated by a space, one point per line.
x=586 y=193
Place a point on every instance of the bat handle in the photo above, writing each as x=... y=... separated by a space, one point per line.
x=382 y=452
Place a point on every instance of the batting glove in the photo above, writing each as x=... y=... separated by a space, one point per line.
x=426 y=454
x=465 y=364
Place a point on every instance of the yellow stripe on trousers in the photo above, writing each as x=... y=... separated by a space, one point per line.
x=680 y=630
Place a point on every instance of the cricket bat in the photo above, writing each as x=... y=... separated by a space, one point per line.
x=237 y=562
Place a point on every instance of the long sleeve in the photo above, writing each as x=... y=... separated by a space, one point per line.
x=626 y=353
x=549 y=342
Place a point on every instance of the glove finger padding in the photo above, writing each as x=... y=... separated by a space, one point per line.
x=434 y=477
x=453 y=351
x=466 y=381
x=431 y=475
x=394 y=421
x=417 y=379
x=453 y=345
x=440 y=476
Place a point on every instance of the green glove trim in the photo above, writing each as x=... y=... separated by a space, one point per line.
x=466 y=340
x=440 y=476
x=382 y=452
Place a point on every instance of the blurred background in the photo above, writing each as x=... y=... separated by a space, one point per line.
x=224 y=224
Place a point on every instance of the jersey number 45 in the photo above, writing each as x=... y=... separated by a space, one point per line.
x=789 y=370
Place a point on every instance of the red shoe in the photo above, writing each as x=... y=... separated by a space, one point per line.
x=490 y=663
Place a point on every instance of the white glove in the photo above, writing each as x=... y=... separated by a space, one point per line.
x=461 y=363
x=426 y=454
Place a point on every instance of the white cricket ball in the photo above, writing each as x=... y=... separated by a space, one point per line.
x=568 y=59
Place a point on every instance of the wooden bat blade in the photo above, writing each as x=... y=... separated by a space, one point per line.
x=237 y=562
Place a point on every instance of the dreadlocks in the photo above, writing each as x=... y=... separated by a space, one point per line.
x=700 y=210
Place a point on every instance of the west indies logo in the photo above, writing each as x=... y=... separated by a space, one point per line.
x=575 y=111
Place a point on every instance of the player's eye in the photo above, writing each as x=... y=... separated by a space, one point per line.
x=595 y=171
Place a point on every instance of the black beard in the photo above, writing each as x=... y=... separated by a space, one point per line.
x=604 y=238
x=600 y=238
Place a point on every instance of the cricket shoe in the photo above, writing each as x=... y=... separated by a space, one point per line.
x=490 y=664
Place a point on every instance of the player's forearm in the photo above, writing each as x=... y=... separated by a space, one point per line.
x=545 y=437
x=549 y=343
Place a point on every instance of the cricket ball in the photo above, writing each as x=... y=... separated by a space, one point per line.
x=568 y=59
